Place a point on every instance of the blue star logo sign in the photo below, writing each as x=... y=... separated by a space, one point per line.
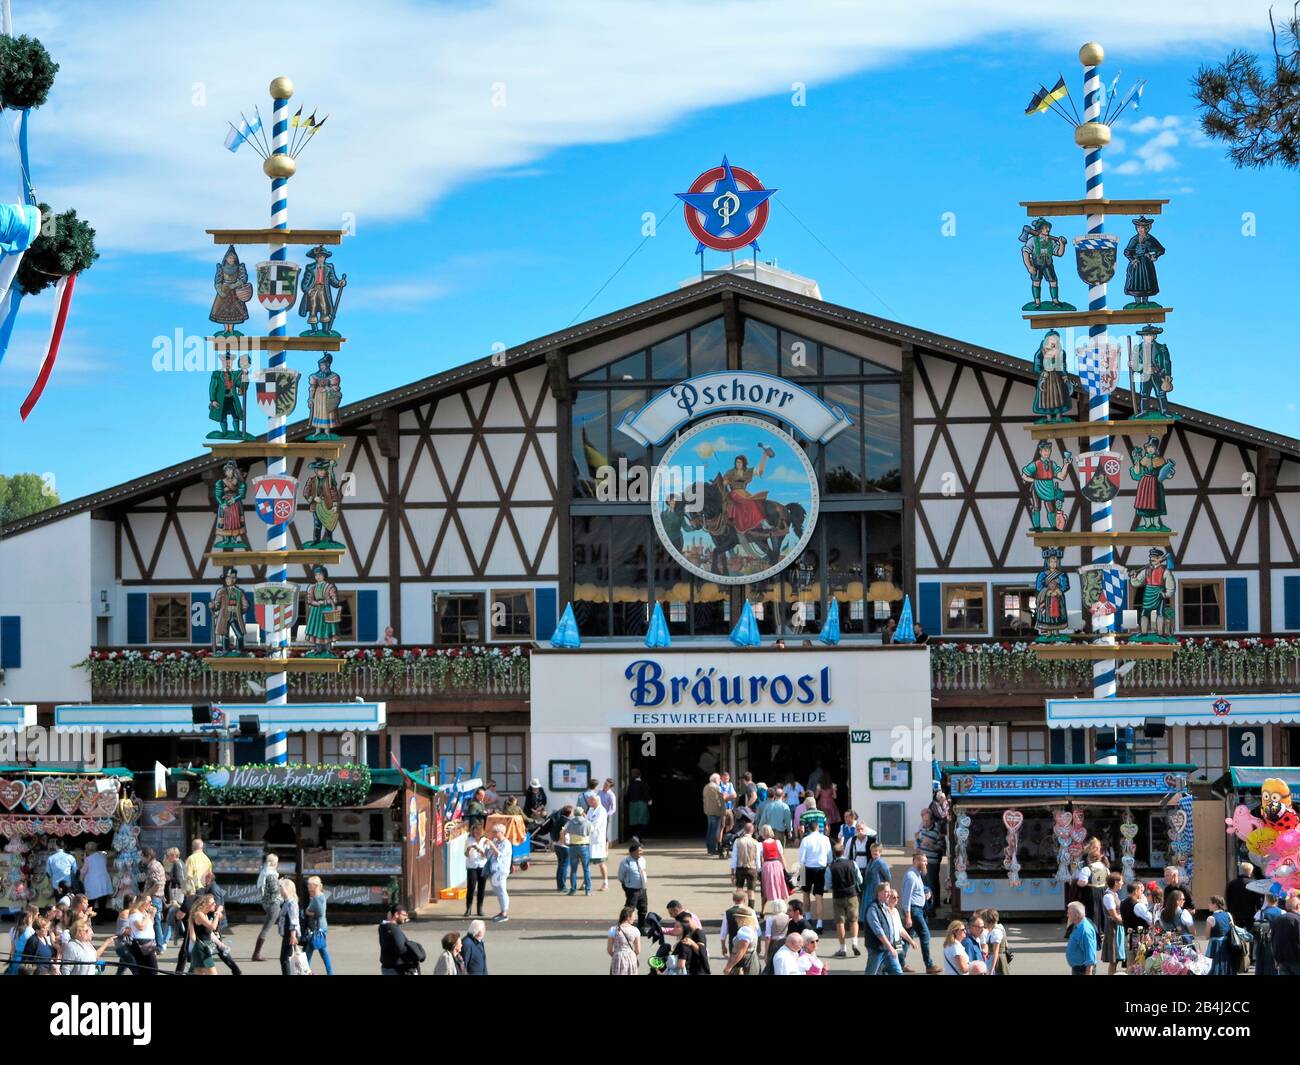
x=726 y=208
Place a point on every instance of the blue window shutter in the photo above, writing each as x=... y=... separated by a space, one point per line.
x=251 y=751
x=137 y=617
x=544 y=603
x=417 y=750
x=1079 y=738
x=367 y=627
x=1246 y=746
x=11 y=642
x=1291 y=601
x=931 y=611
x=199 y=609
x=1236 y=615
x=1056 y=741
x=372 y=753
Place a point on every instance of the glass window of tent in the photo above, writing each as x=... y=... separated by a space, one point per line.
x=457 y=618
x=330 y=749
x=511 y=614
x=347 y=612
x=963 y=608
x=296 y=747
x=452 y=751
x=1206 y=749
x=1152 y=751
x=1200 y=604
x=506 y=762
x=1028 y=746
x=169 y=619
x=1015 y=611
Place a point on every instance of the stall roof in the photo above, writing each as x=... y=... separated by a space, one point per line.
x=1252 y=776
x=32 y=771
x=1045 y=785
x=162 y=719
x=1257 y=709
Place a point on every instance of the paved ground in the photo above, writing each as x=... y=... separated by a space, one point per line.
x=550 y=932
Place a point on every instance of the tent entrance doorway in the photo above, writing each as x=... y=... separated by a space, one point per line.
x=807 y=756
x=676 y=773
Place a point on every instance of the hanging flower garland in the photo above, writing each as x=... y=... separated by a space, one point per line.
x=343 y=785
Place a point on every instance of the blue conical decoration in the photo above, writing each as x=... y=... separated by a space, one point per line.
x=905 y=633
x=566 y=632
x=830 y=634
x=658 y=636
x=745 y=634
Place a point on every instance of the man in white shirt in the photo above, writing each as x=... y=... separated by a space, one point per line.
x=814 y=856
x=790 y=959
x=912 y=906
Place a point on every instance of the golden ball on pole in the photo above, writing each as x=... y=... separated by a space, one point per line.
x=1092 y=135
x=1091 y=54
x=279 y=166
x=281 y=88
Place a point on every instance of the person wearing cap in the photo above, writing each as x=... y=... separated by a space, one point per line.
x=576 y=837
x=324 y=394
x=535 y=800
x=635 y=882
x=317 y=280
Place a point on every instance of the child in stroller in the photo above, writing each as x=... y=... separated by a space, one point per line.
x=733 y=825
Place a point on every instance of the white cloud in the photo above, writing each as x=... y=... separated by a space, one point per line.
x=1160 y=136
x=132 y=134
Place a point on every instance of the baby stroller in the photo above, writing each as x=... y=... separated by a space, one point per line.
x=654 y=932
x=542 y=831
x=739 y=819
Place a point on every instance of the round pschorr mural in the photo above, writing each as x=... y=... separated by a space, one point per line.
x=734 y=499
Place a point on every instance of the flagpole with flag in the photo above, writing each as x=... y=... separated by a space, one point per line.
x=279 y=167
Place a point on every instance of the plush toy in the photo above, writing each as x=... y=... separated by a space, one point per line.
x=1275 y=807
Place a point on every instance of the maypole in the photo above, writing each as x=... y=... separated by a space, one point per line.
x=279 y=167
x=1092 y=137
x=1103 y=583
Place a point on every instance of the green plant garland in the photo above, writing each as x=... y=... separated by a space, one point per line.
x=351 y=787
x=64 y=246
x=26 y=72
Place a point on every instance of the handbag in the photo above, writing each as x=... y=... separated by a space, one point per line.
x=298 y=965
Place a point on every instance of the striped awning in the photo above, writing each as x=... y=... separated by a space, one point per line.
x=161 y=719
x=1270 y=709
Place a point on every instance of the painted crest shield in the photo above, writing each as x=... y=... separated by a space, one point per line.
x=1095 y=256
x=1098 y=367
x=1099 y=475
x=275 y=606
x=1104 y=589
x=276 y=498
x=277 y=284
x=277 y=391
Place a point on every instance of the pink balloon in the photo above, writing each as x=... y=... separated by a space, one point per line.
x=1286 y=843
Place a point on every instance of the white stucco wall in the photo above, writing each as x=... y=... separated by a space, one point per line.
x=45 y=579
x=582 y=700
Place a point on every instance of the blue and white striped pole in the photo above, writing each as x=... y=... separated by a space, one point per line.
x=1093 y=136
x=279 y=167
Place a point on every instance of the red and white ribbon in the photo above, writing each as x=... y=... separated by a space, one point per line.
x=62 y=301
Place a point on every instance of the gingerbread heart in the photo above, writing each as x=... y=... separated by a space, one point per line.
x=1078 y=834
x=11 y=793
x=89 y=794
x=32 y=792
x=46 y=802
x=1062 y=818
x=68 y=793
x=105 y=804
x=8 y=828
x=1177 y=821
x=1013 y=819
x=129 y=810
x=1128 y=830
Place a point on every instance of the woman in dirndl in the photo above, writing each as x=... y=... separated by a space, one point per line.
x=624 y=945
x=1217 y=926
x=1112 y=932
x=322 y=613
x=771 y=867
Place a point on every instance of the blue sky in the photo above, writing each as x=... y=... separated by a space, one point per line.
x=498 y=160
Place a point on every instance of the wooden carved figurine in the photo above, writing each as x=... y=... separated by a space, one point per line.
x=227 y=391
x=1054 y=393
x=228 y=493
x=228 y=605
x=323 y=613
x=229 y=307
x=316 y=305
x=1038 y=250
x=1156 y=610
x=1051 y=615
x=1046 y=502
x=1151 y=374
x=322 y=497
x=1140 y=279
x=1150 y=469
x=324 y=393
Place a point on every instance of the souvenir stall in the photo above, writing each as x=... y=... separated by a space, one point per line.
x=343 y=823
x=452 y=829
x=1263 y=826
x=1016 y=834
x=39 y=805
